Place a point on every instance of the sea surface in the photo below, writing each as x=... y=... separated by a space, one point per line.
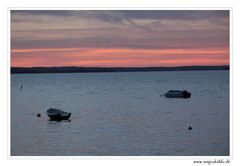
x=121 y=114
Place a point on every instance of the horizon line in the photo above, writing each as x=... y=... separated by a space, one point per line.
x=121 y=66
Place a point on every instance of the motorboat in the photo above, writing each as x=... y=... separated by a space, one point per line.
x=178 y=94
x=57 y=115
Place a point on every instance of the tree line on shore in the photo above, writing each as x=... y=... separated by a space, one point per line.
x=25 y=70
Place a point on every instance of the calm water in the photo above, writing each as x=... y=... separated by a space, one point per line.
x=121 y=114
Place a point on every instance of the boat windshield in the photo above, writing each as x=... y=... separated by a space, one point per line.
x=174 y=91
x=55 y=111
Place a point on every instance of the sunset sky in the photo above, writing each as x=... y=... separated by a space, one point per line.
x=120 y=38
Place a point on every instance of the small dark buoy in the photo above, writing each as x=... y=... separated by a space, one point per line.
x=190 y=128
x=38 y=115
x=21 y=87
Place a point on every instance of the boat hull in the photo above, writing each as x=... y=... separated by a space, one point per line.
x=57 y=115
x=178 y=94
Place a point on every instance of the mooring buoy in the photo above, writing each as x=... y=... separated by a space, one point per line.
x=38 y=115
x=190 y=128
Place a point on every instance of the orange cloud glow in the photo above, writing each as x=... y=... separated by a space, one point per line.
x=118 y=57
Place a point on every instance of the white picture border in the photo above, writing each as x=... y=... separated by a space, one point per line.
x=5 y=75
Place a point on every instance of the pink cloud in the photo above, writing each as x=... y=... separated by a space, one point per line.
x=118 y=57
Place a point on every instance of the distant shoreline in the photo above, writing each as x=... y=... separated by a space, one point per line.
x=36 y=70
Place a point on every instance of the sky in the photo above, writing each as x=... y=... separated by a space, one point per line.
x=119 y=38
